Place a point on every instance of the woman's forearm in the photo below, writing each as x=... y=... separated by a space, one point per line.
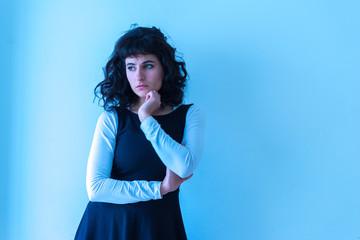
x=122 y=192
x=182 y=160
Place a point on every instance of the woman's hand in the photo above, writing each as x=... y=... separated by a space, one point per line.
x=151 y=105
x=171 y=182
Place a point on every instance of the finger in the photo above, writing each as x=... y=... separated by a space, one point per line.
x=155 y=93
x=148 y=96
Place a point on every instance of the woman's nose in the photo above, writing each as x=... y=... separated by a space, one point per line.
x=139 y=75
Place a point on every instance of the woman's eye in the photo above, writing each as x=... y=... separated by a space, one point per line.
x=131 y=68
x=148 y=66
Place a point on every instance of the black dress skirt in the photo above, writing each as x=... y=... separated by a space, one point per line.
x=136 y=159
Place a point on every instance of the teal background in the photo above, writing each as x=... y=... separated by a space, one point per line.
x=278 y=80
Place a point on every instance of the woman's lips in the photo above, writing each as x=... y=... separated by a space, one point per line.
x=141 y=86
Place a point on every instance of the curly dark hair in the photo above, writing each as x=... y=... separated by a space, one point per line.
x=115 y=90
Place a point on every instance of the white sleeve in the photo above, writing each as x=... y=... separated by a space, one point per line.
x=180 y=159
x=100 y=187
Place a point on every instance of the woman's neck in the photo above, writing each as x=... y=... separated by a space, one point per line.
x=134 y=107
x=164 y=109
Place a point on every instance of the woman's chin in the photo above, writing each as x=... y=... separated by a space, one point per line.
x=142 y=95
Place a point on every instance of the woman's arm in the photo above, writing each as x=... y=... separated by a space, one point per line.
x=102 y=188
x=180 y=159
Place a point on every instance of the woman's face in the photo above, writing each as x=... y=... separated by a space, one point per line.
x=144 y=73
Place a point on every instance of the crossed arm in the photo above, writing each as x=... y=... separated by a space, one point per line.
x=182 y=160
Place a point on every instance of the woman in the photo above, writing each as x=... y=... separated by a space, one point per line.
x=146 y=144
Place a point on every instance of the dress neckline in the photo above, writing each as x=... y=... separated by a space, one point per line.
x=163 y=115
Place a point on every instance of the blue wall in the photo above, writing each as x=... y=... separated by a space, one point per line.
x=279 y=81
x=6 y=41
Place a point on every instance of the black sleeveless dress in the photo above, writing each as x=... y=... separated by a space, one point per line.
x=136 y=159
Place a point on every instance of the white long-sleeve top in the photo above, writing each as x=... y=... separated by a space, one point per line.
x=182 y=160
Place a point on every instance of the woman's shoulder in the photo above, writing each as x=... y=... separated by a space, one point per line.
x=194 y=108
x=114 y=113
x=195 y=117
x=194 y=111
x=108 y=117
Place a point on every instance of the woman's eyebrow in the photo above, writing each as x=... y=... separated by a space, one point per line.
x=148 y=61
x=145 y=62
